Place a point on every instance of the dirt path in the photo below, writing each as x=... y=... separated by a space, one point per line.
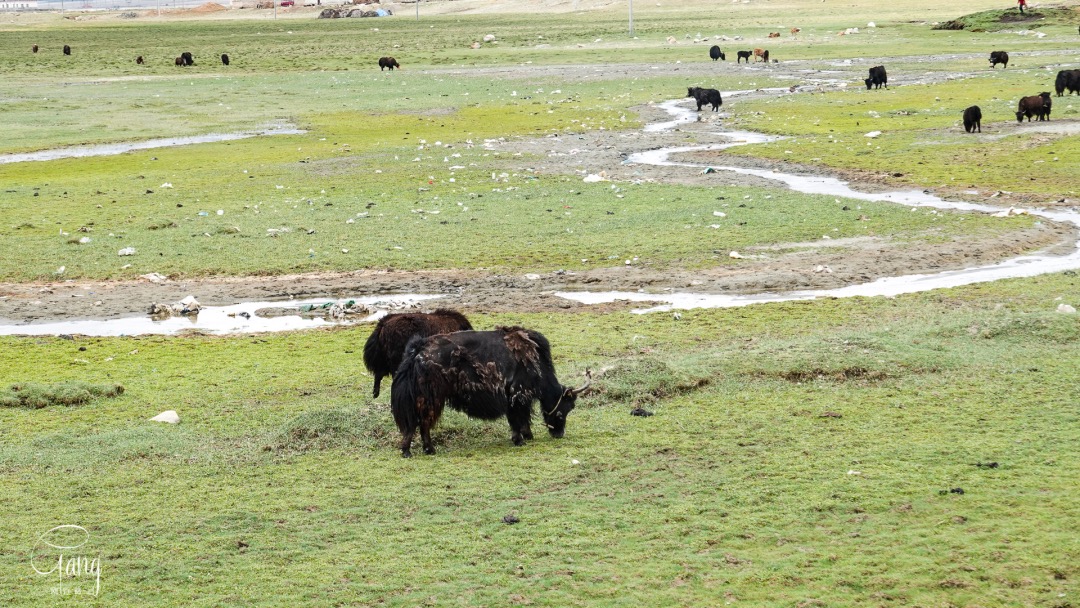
x=777 y=267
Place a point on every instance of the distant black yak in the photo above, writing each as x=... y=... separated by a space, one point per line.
x=139 y=60
x=67 y=50
x=877 y=78
x=705 y=97
x=388 y=62
x=1067 y=80
x=224 y=59
x=997 y=57
x=973 y=119
x=740 y=55
x=386 y=345
x=716 y=53
x=187 y=58
x=34 y=48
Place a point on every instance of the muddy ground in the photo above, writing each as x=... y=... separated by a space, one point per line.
x=778 y=267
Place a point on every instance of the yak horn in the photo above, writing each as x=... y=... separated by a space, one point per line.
x=577 y=392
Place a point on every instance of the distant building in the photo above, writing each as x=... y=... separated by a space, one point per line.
x=18 y=5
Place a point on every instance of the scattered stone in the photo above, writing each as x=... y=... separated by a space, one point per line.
x=168 y=416
x=126 y=251
x=1065 y=308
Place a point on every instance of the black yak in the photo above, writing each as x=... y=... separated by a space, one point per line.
x=34 y=48
x=740 y=55
x=484 y=374
x=1067 y=80
x=877 y=78
x=224 y=59
x=67 y=50
x=1034 y=105
x=973 y=119
x=386 y=345
x=139 y=60
x=187 y=58
x=997 y=57
x=716 y=53
x=388 y=62
x=705 y=97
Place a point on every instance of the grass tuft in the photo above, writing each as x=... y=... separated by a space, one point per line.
x=327 y=429
x=36 y=395
x=647 y=381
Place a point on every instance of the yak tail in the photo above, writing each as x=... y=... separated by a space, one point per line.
x=405 y=390
x=373 y=352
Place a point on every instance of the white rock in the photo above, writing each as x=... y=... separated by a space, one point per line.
x=154 y=277
x=168 y=416
x=735 y=255
x=532 y=277
x=822 y=268
x=84 y=240
x=719 y=214
x=1065 y=308
x=593 y=178
x=166 y=185
x=872 y=134
x=871 y=24
x=489 y=38
x=126 y=251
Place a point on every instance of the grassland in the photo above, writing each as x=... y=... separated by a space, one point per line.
x=801 y=454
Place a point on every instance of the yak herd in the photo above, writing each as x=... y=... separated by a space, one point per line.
x=185 y=59
x=437 y=359
x=1037 y=106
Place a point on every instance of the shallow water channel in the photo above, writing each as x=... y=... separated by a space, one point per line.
x=233 y=319
x=228 y=319
x=1023 y=266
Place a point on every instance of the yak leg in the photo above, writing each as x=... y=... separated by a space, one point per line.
x=378 y=380
x=428 y=417
x=518 y=417
x=406 y=442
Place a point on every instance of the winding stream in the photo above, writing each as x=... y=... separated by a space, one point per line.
x=228 y=319
x=1023 y=266
x=149 y=144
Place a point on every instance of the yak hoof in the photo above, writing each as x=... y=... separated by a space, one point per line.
x=429 y=450
x=406 y=454
x=527 y=435
x=518 y=440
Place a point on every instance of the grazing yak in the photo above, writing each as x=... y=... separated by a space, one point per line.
x=34 y=48
x=224 y=59
x=67 y=50
x=484 y=374
x=743 y=55
x=774 y=34
x=1034 y=105
x=973 y=119
x=179 y=61
x=187 y=58
x=877 y=78
x=761 y=54
x=795 y=31
x=705 y=97
x=1067 y=79
x=716 y=53
x=997 y=57
x=139 y=60
x=386 y=345
x=388 y=62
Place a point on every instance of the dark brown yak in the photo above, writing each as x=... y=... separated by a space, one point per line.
x=139 y=60
x=386 y=345
x=34 y=48
x=388 y=62
x=484 y=374
x=67 y=50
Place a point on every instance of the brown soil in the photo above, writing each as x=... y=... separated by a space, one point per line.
x=776 y=267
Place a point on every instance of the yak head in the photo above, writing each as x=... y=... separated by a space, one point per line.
x=555 y=418
x=869 y=83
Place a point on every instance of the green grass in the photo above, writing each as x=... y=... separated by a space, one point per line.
x=282 y=482
x=800 y=453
